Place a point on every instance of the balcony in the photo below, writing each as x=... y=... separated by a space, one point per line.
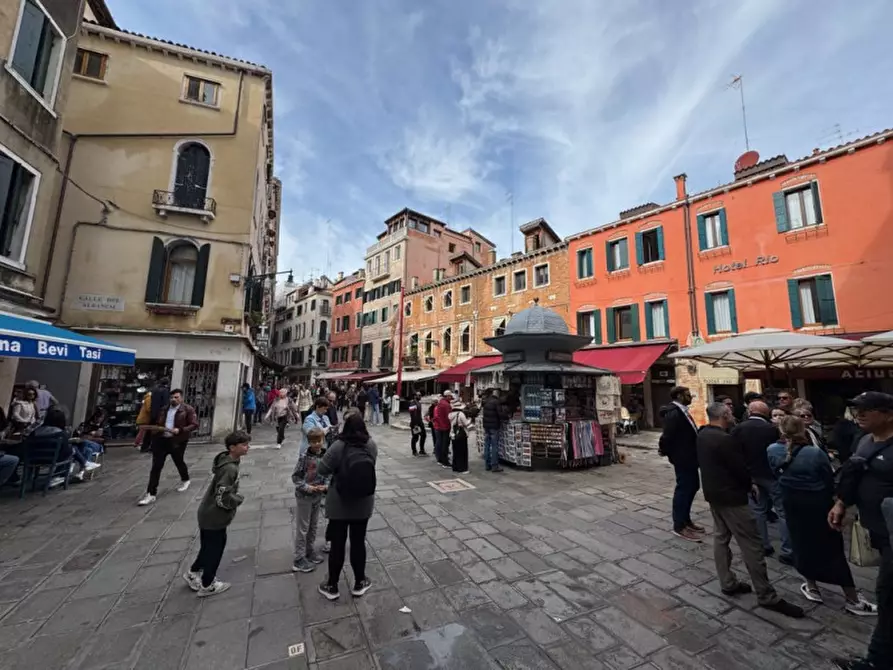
x=411 y=360
x=184 y=203
x=386 y=242
x=380 y=273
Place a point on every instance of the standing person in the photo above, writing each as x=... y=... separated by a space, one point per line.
x=177 y=420
x=807 y=484
x=349 y=502
x=754 y=436
x=678 y=443
x=45 y=399
x=249 y=406
x=728 y=402
x=417 y=426
x=362 y=400
x=332 y=413
x=305 y=401
x=260 y=396
x=727 y=485
x=318 y=418
x=281 y=410
x=459 y=422
x=374 y=404
x=492 y=422
x=785 y=401
x=272 y=396
x=159 y=398
x=309 y=490
x=804 y=410
x=846 y=436
x=386 y=403
x=866 y=481
x=215 y=512
x=429 y=420
x=442 y=428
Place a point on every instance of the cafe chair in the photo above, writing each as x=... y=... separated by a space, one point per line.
x=42 y=459
x=627 y=424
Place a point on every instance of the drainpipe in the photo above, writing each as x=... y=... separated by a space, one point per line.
x=682 y=194
x=57 y=218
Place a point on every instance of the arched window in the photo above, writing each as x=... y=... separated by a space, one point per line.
x=499 y=331
x=465 y=342
x=447 y=340
x=179 y=274
x=193 y=172
x=321 y=356
x=429 y=343
x=414 y=344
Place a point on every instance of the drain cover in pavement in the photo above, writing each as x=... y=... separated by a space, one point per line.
x=451 y=485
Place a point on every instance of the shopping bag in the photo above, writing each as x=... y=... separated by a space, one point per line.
x=861 y=551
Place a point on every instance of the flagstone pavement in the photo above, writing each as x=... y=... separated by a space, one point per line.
x=527 y=570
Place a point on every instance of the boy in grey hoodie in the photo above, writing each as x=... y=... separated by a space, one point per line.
x=215 y=512
x=309 y=490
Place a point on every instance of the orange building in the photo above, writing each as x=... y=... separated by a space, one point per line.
x=800 y=245
x=347 y=315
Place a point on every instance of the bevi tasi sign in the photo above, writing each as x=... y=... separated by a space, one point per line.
x=734 y=266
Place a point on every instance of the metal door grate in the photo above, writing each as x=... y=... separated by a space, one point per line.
x=200 y=388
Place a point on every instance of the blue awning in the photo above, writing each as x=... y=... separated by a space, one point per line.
x=22 y=337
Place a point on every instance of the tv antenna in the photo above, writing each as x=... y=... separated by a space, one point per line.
x=738 y=83
x=835 y=133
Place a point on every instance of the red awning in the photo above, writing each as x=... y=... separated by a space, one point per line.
x=628 y=363
x=458 y=373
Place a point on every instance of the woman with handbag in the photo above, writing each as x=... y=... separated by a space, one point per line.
x=807 y=489
x=459 y=423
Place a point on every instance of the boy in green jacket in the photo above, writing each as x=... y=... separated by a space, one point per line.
x=215 y=513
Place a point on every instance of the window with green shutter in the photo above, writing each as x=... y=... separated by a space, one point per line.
x=812 y=301
x=589 y=324
x=623 y=324
x=617 y=254
x=610 y=325
x=713 y=230
x=797 y=208
x=721 y=312
x=650 y=246
x=584 y=263
x=657 y=320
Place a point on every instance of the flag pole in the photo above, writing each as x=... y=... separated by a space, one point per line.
x=400 y=341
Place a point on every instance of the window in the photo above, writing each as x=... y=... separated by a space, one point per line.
x=313 y=305
x=312 y=327
x=812 y=301
x=447 y=341
x=519 y=281
x=337 y=325
x=617 y=255
x=657 y=320
x=368 y=268
x=465 y=295
x=355 y=353
x=584 y=264
x=451 y=247
x=384 y=314
x=713 y=230
x=429 y=303
x=359 y=320
x=18 y=188
x=499 y=285
x=347 y=297
x=192 y=176
x=540 y=275
x=465 y=340
x=337 y=299
x=397 y=253
x=177 y=273
x=387 y=259
x=201 y=91
x=422 y=227
x=180 y=274
x=407 y=309
x=429 y=344
x=477 y=247
x=499 y=328
x=650 y=246
x=589 y=324
x=797 y=208
x=623 y=323
x=721 y=314
x=359 y=293
x=90 y=64
x=447 y=299
x=37 y=54
x=300 y=309
x=414 y=344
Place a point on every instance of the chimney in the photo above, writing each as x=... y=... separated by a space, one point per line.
x=414 y=283
x=339 y=277
x=439 y=273
x=491 y=257
x=680 y=186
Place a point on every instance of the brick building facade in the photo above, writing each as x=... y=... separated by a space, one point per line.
x=347 y=315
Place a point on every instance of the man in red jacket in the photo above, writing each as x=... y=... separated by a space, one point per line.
x=442 y=429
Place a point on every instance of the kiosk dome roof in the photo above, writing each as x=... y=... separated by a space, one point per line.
x=536 y=320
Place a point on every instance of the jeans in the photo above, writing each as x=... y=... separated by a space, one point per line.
x=442 y=447
x=880 y=649
x=687 y=484
x=210 y=552
x=491 y=447
x=376 y=415
x=249 y=415
x=8 y=465
x=306 y=521
x=418 y=438
x=337 y=532
x=738 y=522
x=770 y=495
x=161 y=448
x=83 y=453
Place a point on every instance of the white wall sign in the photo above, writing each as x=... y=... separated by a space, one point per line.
x=99 y=303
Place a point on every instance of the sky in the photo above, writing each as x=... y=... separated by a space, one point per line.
x=491 y=113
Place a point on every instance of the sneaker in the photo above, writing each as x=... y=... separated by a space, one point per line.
x=315 y=558
x=194 y=579
x=446 y=466
x=183 y=486
x=303 y=565
x=147 y=499
x=786 y=608
x=92 y=466
x=696 y=528
x=360 y=588
x=327 y=547
x=279 y=445
x=812 y=595
x=328 y=592
x=79 y=476
x=740 y=589
x=215 y=587
x=861 y=607
x=687 y=534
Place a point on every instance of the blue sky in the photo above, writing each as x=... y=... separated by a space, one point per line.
x=579 y=108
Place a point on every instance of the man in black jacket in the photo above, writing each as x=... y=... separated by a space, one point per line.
x=678 y=443
x=492 y=417
x=417 y=426
x=753 y=436
x=727 y=485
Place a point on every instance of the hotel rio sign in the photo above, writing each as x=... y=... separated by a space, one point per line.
x=734 y=266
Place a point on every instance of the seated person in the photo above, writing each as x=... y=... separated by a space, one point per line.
x=23 y=413
x=95 y=428
x=8 y=465
x=53 y=424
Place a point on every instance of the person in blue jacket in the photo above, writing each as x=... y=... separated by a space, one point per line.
x=249 y=405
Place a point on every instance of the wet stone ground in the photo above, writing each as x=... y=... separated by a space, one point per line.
x=543 y=570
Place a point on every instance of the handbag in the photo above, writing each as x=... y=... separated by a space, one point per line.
x=861 y=551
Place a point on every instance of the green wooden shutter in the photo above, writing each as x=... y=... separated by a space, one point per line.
x=155 y=279
x=733 y=312
x=794 y=301
x=723 y=228
x=609 y=257
x=649 y=322
x=634 y=321
x=827 y=304
x=660 y=243
x=816 y=201
x=781 y=212
x=201 y=275
x=702 y=232
x=579 y=265
x=609 y=316
x=624 y=253
x=666 y=319
x=597 y=325
x=640 y=251
x=711 y=317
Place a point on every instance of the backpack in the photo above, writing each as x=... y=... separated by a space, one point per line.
x=356 y=473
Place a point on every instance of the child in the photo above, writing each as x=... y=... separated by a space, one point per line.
x=215 y=513
x=309 y=490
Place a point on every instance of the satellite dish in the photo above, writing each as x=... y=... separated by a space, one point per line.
x=747 y=160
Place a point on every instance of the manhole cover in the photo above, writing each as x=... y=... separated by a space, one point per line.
x=451 y=485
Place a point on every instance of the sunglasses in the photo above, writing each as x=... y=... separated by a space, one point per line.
x=784 y=397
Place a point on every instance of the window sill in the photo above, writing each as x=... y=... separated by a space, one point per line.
x=92 y=80
x=616 y=274
x=204 y=214
x=540 y=286
x=652 y=265
x=187 y=101
x=714 y=251
x=805 y=231
x=582 y=281
x=174 y=309
x=43 y=101
x=499 y=295
x=10 y=264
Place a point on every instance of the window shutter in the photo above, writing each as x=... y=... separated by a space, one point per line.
x=827 y=304
x=582 y=317
x=723 y=227
x=666 y=319
x=597 y=326
x=733 y=312
x=660 y=243
x=640 y=251
x=589 y=272
x=711 y=317
x=624 y=254
x=581 y=264
x=649 y=322
x=816 y=201
x=201 y=275
x=794 y=301
x=634 y=322
x=609 y=257
x=31 y=27
x=702 y=232
x=781 y=211
x=7 y=168
x=155 y=279
x=609 y=316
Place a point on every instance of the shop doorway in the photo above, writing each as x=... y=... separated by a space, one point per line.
x=200 y=387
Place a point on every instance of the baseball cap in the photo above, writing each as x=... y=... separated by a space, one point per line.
x=447 y=394
x=872 y=400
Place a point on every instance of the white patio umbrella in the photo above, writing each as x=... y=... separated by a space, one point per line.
x=877 y=349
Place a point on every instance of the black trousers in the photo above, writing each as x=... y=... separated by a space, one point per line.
x=460 y=452
x=281 y=423
x=162 y=447
x=418 y=439
x=442 y=448
x=249 y=415
x=210 y=552
x=880 y=649
x=337 y=533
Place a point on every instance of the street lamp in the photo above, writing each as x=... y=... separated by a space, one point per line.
x=251 y=279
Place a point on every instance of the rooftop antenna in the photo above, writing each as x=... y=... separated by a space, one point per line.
x=835 y=132
x=738 y=83
x=510 y=198
x=328 y=225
